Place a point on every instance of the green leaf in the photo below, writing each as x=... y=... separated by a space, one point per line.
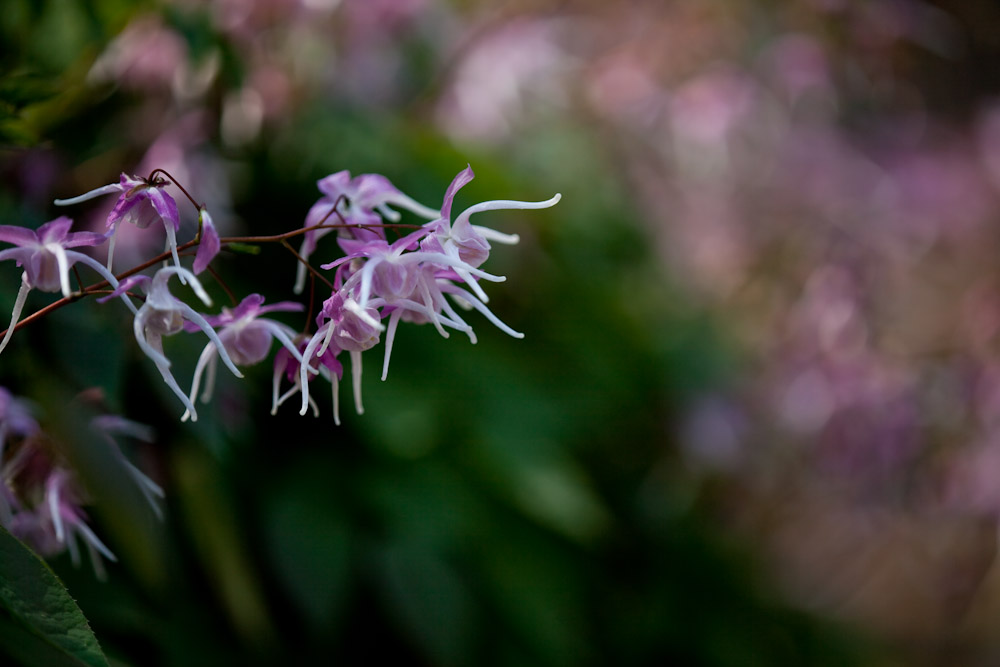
x=42 y=621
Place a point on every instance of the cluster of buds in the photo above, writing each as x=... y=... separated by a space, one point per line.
x=41 y=498
x=419 y=277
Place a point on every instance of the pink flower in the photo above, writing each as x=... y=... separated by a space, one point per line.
x=161 y=315
x=363 y=200
x=245 y=337
x=325 y=365
x=141 y=202
x=46 y=257
x=209 y=246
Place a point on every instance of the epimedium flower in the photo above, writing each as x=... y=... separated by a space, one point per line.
x=362 y=201
x=467 y=242
x=403 y=288
x=392 y=271
x=245 y=336
x=347 y=327
x=162 y=314
x=324 y=365
x=141 y=202
x=209 y=245
x=46 y=256
x=63 y=509
x=42 y=499
x=48 y=506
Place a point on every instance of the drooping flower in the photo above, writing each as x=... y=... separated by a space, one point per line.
x=403 y=284
x=362 y=202
x=325 y=365
x=245 y=336
x=141 y=202
x=47 y=508
x=209 y=246
x=467 y=242
x=47 y=257
x=161 y=315
x=109 y=426
x=63 y=508
x=41 y=497
x=346 y=327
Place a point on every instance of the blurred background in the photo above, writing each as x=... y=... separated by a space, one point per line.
x=755 y=418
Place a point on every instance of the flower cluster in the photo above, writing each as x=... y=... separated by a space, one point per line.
x=407 y=279
x=419 y=277
x=41 y=499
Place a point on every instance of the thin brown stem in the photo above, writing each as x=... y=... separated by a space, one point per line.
x=278 y=238
x=222 y=283
x=42 y=312
x=175 y=182
x=313 y=271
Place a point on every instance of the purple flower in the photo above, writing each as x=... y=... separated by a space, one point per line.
x=366 y=201
x=163 y=315
x=41 y=499
x=48 y=514
x=403 y=284
x=209 y=246
x=348 y=327
x=464 y=241
x=245 y=336
x=325 y=365
x=46 y=257
x=141 y=202
x=43 y=253
x=62 y=507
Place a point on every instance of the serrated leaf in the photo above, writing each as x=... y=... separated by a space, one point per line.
x=40 y=607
